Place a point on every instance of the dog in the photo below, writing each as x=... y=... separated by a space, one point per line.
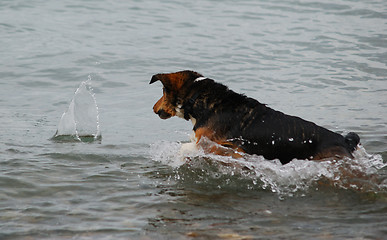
x=240 y=124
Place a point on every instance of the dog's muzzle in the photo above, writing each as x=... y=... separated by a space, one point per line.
x=163 y=114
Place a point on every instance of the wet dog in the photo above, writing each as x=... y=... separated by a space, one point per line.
x=244 y=125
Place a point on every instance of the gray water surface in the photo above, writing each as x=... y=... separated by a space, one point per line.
x=325 y=61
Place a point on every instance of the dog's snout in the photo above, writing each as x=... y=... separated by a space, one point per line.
x=163 y=114
x=163 y=109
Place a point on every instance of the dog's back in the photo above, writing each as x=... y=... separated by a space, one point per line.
x=258 y=129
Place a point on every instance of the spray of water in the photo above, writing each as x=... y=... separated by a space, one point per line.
x=361 y=173
x=80 y=122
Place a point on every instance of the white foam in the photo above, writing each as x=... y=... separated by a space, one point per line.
x=298 y=175
x=187 y=149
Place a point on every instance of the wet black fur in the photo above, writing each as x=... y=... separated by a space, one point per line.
x=256 y=128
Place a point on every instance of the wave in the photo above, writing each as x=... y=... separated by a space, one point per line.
x=365 y=173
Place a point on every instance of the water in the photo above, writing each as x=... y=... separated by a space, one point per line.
x=81 y=120
x=324 y=61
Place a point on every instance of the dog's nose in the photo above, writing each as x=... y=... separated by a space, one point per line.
x=163 y=114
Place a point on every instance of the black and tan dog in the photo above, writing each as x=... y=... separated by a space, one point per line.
x=243 y=124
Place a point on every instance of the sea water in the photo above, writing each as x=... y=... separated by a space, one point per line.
x=81 y=120
x=324 y=61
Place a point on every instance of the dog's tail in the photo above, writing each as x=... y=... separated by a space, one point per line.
x=352 y=140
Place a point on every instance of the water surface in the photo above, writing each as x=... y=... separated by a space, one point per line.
x=325 y=61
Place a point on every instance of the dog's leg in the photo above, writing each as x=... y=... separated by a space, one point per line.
x=225 y=150
x=332 y=153
x=210 y=143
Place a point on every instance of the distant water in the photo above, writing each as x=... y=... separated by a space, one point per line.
x=325 y=61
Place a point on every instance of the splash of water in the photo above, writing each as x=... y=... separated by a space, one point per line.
x=80 y=122
x=360 y=173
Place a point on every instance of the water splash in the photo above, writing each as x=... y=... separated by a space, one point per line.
x=80 y=122
x=299 y=176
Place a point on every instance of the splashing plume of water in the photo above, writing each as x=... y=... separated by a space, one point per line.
x=80 y=122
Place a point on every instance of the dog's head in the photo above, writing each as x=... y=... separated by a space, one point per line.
x=174 y=87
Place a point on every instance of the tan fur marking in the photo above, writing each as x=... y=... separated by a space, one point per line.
x=204 y=132
x=223 y=147
x=333 y=152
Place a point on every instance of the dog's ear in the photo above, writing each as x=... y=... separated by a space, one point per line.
x=174 y=81
x=163 y=78
x=155 y=78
